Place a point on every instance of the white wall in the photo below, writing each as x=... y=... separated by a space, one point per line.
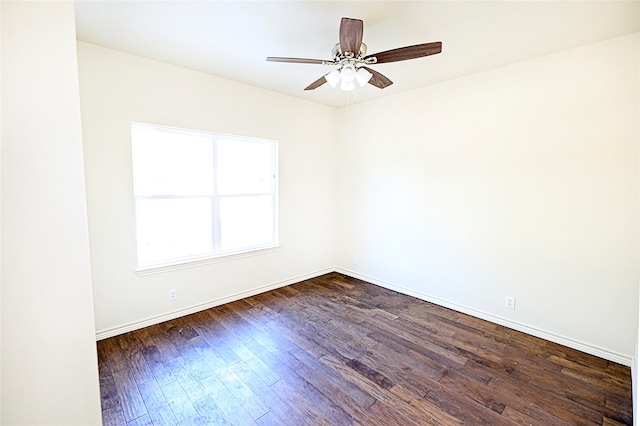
x=49 y=363
x=118 y=88
x=520 y=181
x=0 y=214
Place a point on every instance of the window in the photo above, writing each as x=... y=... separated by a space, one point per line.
x=200 y=195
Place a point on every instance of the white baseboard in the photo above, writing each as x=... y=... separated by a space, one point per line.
x=561 y=340
x=114 y=331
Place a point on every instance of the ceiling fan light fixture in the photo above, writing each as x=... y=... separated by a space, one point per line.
x=347 y=86
x=348 y=73
x=333 y=78
x=363 y=76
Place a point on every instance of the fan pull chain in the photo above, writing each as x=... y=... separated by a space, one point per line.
x=351 y=100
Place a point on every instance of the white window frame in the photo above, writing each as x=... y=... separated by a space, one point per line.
x=217 y=254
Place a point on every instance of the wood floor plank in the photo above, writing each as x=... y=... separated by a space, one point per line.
x=419 y=409
x=180 y=404
x=111 y=357
x=270 y=419
x=503 y=381
x=335 y=350
x=310 y=409
x=130 y=399
x=129 y=343
x=253 y=361
x=380 y=410
x=139 y=368
x=248 y=400
x=610 y=422
x=165 y=371
x=108 y=392
x=191 y=385
x=439 y=353
x=141 y=421
x=279 y=409
x=195 y=363
x=157 y=405
x=475 y=390
x=532 y=416
x=461 y=407
x=162 y=338
x=343 y=392
x=209 y=412
x=113 y=416
x=229 y=406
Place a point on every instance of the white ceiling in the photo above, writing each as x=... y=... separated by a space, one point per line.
x=231 y=39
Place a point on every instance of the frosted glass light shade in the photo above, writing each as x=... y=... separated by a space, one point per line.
x=363 y=76
x=347 y=86
x=348 y=73
x=333 y=78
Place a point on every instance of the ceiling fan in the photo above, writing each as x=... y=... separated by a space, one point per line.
x=350 y=54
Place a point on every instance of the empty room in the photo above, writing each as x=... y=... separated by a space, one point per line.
x=320 y=212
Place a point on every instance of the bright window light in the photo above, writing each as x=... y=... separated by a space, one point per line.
x=200 y=195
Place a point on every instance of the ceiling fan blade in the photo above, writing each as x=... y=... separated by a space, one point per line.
x=408 y=52
x=378 y=80
x=297 y=60
x=319 y=82
x=351 y=35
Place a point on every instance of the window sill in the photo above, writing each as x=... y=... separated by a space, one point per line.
x=201 y=261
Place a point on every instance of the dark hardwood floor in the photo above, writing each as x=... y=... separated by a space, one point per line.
x=338 y=351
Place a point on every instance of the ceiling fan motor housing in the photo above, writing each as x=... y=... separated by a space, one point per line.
x=338 y=56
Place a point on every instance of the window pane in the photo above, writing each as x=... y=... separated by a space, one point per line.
x=173 y=228
x=171 y=162
x=179 y=174
x=246 y=221
x=245 y=167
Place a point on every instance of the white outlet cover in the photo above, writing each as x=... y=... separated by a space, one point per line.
x=510 y=302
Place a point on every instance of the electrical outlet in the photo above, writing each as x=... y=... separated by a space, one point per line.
x=355 y=260
x=172 y=294
x=510 y=302
x=306 y=261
